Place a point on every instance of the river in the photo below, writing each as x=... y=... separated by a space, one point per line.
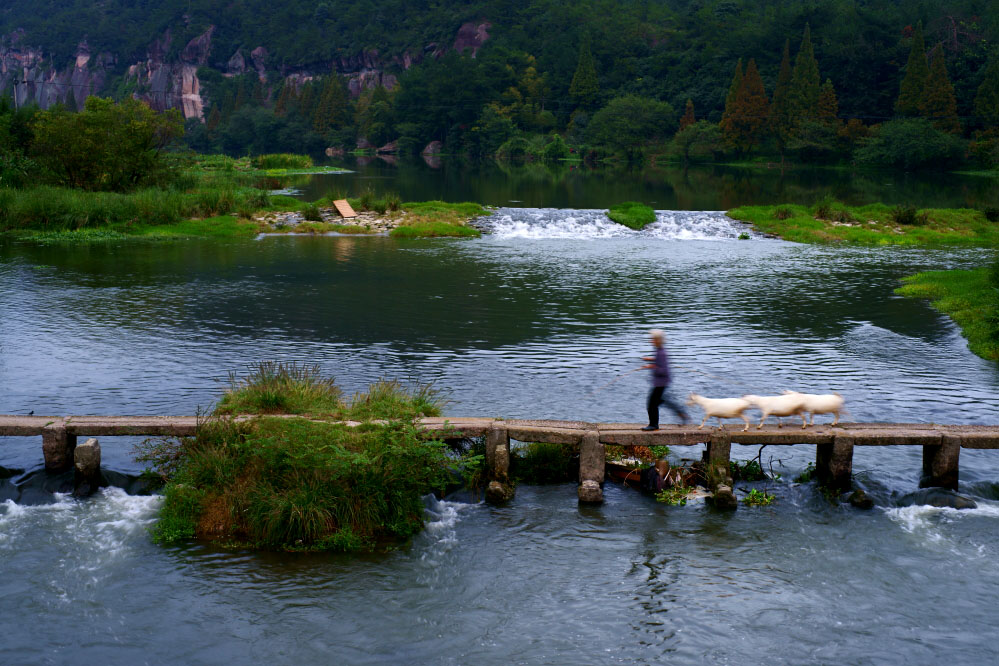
x=528 y=321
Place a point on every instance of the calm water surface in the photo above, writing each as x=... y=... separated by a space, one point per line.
x=530 y=321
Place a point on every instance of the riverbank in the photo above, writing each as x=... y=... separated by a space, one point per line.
x=875 y=224
x=969 y=297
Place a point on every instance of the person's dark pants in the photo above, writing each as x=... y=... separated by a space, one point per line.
x=657 y=396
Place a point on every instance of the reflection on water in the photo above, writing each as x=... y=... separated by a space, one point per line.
x=699 y=187
x=528 y=322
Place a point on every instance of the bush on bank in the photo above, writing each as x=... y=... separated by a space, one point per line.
x=297 y=483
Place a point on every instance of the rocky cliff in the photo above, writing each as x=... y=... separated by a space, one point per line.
x=172 y=82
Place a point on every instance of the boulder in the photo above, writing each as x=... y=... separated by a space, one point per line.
x=859 y=499
x=335 y=151
x=938 y=497
x=390 y=147
x=497 y=493
x=433 y=148
x=87 y=478
x=364 y=144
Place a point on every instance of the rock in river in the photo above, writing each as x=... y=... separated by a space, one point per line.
x=938 y=497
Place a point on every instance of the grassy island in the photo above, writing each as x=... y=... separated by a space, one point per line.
x=632 y=214
x=305 y=482
x=970 y=298
x=874 y=224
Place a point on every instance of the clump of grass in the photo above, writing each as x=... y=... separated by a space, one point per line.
x=274 y=387
x=909 y=216
x=747 y=470
x=282 y=161
x=783 y=213
x=759 y=498
x=541 y=462
x=632 y=214
x=310 y=211
x=389 y=399
x=807 y=474
x=673 y=496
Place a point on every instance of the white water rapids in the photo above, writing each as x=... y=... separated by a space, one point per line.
x=542 y=223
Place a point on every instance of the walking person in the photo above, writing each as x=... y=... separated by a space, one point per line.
x=660 y=380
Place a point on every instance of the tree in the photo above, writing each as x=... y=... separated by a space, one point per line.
x=804 y=90
x=629 y=122
x=910 y=91
x=333 y=107
x=688 y=115
x=106 y=146
x=781 y=117
x=733 y=93
x=747 y=120
x=911 y=143
x=585 y=88
x=828 y=106
x=987 y=99
x=938 y=102
x=700 y=140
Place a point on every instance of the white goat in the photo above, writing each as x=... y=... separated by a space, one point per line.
x=820 y=403
x=788 y=404
x=721 y=408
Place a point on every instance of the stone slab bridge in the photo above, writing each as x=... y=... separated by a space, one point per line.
x=834 y=445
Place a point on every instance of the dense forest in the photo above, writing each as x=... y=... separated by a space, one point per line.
x=595 y=76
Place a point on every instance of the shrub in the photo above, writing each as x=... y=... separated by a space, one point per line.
x=632 y=214
x=392 y=201
x=905 y=214
x=311 y=212
x=912 y=143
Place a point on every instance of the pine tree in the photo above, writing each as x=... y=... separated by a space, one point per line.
x=910 y=92
x=746 y=125
x=585 y=87
x=331 y=110
x=214 y=118
x=781 y=118
x=284 y=98
x=938 y=102
x=804 y=89
x=688 y=118
x=828 y=107
x=306 y=101
x=987 y=99
x=733 y=93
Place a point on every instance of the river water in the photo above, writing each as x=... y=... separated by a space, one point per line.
x=531 y=320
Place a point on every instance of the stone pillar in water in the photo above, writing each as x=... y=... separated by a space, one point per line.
x=57 y=447
x=87 y=468
x=592 y=460
x=940 y=464
x=500 y=489
x=834 y=464
x=719 y=476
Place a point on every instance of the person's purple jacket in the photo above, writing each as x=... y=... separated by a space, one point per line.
x=660 y=373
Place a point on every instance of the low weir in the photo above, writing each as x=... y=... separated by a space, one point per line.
x=941 y=444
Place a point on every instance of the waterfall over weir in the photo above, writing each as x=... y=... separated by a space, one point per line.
x=582 y=224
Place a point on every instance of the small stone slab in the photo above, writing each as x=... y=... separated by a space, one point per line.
x=899 y=437
x=179 y=426
x=979 y=440
x=547 y=435
x=26 y=426
x=783 y=436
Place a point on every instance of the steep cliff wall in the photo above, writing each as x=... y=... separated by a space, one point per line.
x=166 y=82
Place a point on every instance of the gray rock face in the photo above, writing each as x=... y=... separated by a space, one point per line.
x=938 y=497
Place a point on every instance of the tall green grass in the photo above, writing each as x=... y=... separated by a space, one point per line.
x=282 y=161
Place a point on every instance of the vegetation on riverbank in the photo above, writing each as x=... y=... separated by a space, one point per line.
x=302 y=484
x=969 y=297
x=632 y=214
x=874 y=224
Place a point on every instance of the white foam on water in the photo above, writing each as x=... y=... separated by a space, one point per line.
x=547 y=223
x=930 y=523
